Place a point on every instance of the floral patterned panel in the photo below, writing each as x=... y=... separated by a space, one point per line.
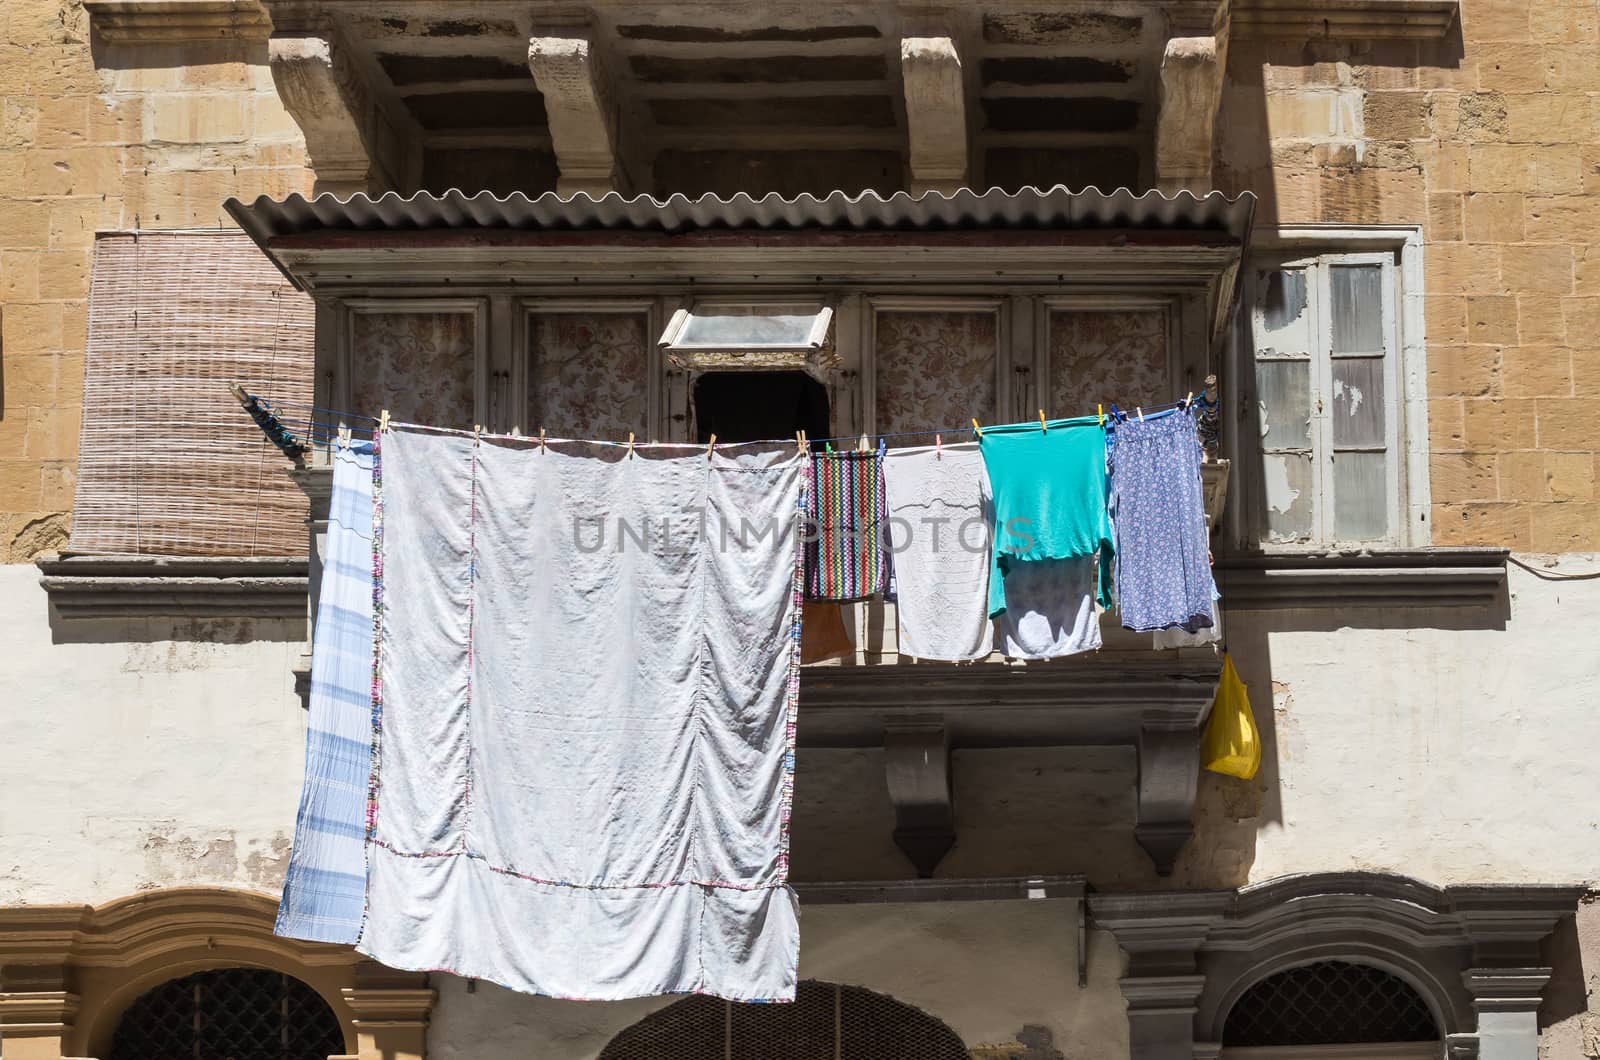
x=588 y=374
x=419 y=366
x=1115 y=356
x=934 y=370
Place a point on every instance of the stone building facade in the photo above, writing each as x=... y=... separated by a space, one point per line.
x=1421 y=835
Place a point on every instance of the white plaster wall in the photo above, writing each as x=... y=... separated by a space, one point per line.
x=987 y=969
x=138 y=760
x=1453 y=755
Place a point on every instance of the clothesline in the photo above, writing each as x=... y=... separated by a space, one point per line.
x=309 y=421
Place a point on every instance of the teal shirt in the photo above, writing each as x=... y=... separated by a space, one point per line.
x=1049 y=490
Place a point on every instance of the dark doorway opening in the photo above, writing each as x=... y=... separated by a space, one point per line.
x=753 y=406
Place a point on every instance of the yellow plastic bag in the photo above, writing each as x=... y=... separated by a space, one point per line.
x=1231 y=744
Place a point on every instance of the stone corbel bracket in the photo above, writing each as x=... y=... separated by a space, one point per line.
x=1191 y=89
x=566 y=66
x=917 y=769
x=325 y=96
x=936 y=110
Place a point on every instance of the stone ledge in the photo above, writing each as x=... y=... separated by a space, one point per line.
x=165 y=21
x=1344 y=19
x=86 y=587
x=1430 y=577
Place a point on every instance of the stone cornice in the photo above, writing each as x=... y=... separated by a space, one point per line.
x=82 y=587
x=166 y=21
x=1344 y=19
x=1428 y=577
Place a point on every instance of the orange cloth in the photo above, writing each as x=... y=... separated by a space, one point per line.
x=822 y=633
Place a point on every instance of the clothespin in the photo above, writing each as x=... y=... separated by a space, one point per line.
x=1140 y=410
x=1042 y=427
x=477 y=432
x=383 y=421
x=1101 y=410
x=938 y=448
x=541 y=439
x=711 y=446
x=800 y=443
x=630 y=445
x=516 y=432
x=861 y=446
x=883 y=446
x=1116 y=415
x=1189 y=400
x=829 y=447
x=344 y=437
x=976 y=429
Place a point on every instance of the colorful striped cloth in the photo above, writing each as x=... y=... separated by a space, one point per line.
x=325 y=888
x=846 y=554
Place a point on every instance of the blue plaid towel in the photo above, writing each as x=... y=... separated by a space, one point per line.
x=325 y=889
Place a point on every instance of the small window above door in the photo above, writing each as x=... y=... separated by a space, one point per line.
x=748 y=326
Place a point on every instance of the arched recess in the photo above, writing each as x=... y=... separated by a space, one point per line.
x=70 y=972
x=825 y=1022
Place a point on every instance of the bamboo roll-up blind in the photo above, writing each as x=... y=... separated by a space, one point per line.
x=168 y=463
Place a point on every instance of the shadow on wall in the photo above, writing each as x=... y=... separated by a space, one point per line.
x=1332 y=167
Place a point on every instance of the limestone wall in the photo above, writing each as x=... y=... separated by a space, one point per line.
x=113 y=136
x=1490 y=139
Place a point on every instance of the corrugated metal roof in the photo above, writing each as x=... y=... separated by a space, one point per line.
x=1029 y=208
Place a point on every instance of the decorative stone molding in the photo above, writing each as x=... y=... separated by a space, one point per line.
x=1344 y=19
x=1431 y=577
x=1169 y=780
x=577 y=102
x=327 y=100
x=1191 y=88
x=88 y=587
x=1443 y=941
x=176 y=21
x=936 y=113
x=917 y=769
x=67 y=973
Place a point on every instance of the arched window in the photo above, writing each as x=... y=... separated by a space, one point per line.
x=826 y=1022
x=1329 y=1003
x=229 y=1014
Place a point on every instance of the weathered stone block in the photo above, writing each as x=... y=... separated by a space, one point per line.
x=19 y=482
x=1445 y=224
x=1446 y=318
x=1445 y=165
x=196 y=119
x=1462 y=269
x=31 y=327
x=1462 y=477
x=1397 y=115
x=1464 y=371
x=52 y=433
x=19 y=282
x=1558 y=218
x=1586 y=367
x=1537 y=371
x=1492 y=319
x=1447 y=430
x=1499 y=167
x=25 y=224
x=1566 y=526
x=1537 y=268
x=1546 y=118
x=1494 y=217
x=1478 y=116
x=62 y=122
x=1482 y=523
x=1570 y=476
x=1540 y=319
x=1493 y=425
x=1496 y=20
x=1521 y=476
x=1510 y=67
x=1566 y=424
x=1581 y=317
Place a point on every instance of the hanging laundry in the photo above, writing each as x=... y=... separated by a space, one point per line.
x=326 y=882
x=846 y=558
x=587 y=691
x=939 y=536
x=1050 y=609
x=1163 y=570
x=1049 y=489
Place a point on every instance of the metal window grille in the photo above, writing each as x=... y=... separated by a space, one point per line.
x=1329 y=1003
x=230 y=1014
x=826 y=1022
